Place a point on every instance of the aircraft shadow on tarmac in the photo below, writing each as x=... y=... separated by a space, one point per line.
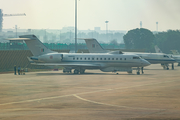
x=44 y=74
x=157 y=69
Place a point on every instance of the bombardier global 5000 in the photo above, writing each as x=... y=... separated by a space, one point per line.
x=153 y=58
x=79 y=62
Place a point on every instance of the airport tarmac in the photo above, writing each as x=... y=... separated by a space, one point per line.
x=96 y=95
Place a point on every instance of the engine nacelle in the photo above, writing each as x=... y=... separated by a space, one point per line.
x=114 y=69
x=49 y=58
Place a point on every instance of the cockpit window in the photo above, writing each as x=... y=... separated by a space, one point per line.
x=136 y=57
x=166 y=56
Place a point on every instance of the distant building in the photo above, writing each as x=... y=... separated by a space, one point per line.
x=97 y=29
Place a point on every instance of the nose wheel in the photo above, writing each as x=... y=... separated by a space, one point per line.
x=165 y=66
x=139 y=69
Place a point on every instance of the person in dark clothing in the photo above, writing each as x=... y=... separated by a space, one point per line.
x=19 y=69
x=14 y=69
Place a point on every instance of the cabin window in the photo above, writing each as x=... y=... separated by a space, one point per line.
x=112 y=58
x=100 y=58
x=73 y=58
x=116 y=58
x=88 y=58
x=124 y=58
x=104 y=58
x=108 y=58
x=92 y=58
x=80 y=58
x=77 y=58
x=84 y=58
x=96 y=58
x=120 y=58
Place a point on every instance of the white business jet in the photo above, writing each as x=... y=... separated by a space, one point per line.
x=174 y=55
x=154 y=58
x=106 y=62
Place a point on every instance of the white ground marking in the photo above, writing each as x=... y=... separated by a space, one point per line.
x=20 y=109
x=114 y=105
x=55 y=97
x=36 y=99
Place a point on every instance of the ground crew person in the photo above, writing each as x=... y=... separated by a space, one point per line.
x=14 y=69
x=19 y=68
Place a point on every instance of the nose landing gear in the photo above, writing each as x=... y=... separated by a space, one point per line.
x=140 y=69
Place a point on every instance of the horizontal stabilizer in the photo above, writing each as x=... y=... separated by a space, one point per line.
x=86 y=39
x=19 y=39
x=36 y=47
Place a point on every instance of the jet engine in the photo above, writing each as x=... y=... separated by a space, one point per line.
x=51 y=58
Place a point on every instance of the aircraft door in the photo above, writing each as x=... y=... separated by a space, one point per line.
x=61 y=56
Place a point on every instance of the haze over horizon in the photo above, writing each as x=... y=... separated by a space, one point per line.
x=121 y=14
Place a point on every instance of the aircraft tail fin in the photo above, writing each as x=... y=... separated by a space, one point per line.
x=157 y=49
x=175 y=52
x=34 y=44
x=93 y=46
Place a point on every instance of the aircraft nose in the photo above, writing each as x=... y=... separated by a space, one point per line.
x=173 y=60
x=146 y=63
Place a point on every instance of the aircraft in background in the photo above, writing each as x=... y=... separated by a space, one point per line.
x=154 y=58
x=174 y=55
x=106 y=62
x=175 y=52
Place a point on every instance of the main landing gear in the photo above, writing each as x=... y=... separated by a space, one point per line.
x=66 y=70
x=77 y=71
x=166 y=66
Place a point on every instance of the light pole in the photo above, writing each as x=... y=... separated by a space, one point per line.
x=106 y=29
x=157 y=26
x=59 y=36
x=75 y=26
x=16 y=29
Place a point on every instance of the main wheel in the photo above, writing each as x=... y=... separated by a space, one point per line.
x=138 y=73
x=76 y=71
x=82 y=71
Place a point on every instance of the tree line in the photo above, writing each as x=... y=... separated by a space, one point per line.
x=145 y=39
x=68 y=37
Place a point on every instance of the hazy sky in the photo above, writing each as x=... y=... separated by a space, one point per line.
x=121 y=14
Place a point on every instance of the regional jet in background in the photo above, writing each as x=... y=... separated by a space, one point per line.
x=174 y=55
x=154 y=58
x=106 y=62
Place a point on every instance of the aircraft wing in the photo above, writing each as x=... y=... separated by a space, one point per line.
x=68 y=64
